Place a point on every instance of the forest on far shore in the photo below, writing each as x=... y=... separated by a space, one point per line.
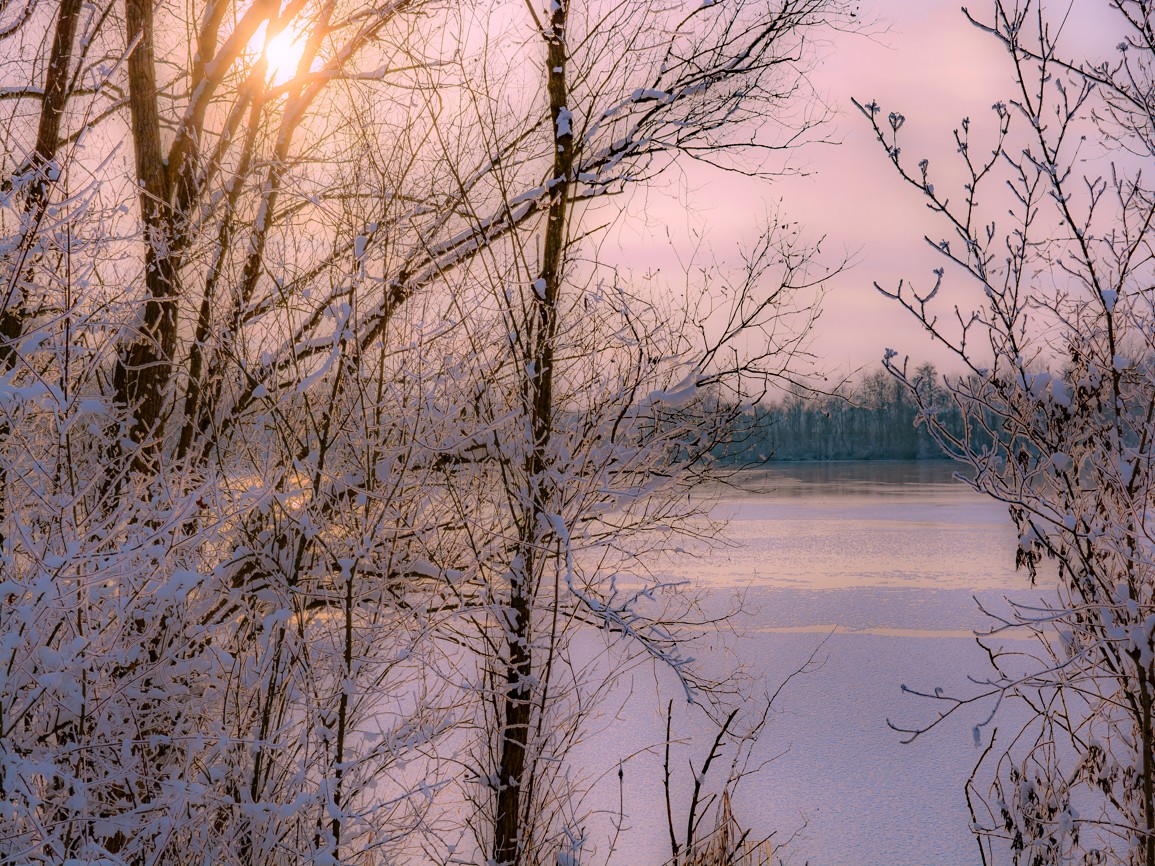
x=873 y=418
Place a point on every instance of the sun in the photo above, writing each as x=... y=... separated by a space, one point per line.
x=283 y=53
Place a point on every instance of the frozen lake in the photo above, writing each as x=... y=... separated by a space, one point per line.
x=883 y=561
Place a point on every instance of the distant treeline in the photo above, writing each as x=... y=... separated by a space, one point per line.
x=873 y=419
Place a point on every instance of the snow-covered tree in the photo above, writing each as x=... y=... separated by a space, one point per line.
x=1060 y=405
x=323 y=427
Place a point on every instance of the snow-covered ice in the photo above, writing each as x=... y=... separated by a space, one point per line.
x=883 y=563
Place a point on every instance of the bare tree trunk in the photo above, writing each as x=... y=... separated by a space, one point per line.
x=145 y=365
x=13 y=305
x=510 y=830
x=13 y=310
x=52 y=106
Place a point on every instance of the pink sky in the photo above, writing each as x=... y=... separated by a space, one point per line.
x=927 y=62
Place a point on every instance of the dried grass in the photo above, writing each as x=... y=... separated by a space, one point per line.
x=727 y=845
